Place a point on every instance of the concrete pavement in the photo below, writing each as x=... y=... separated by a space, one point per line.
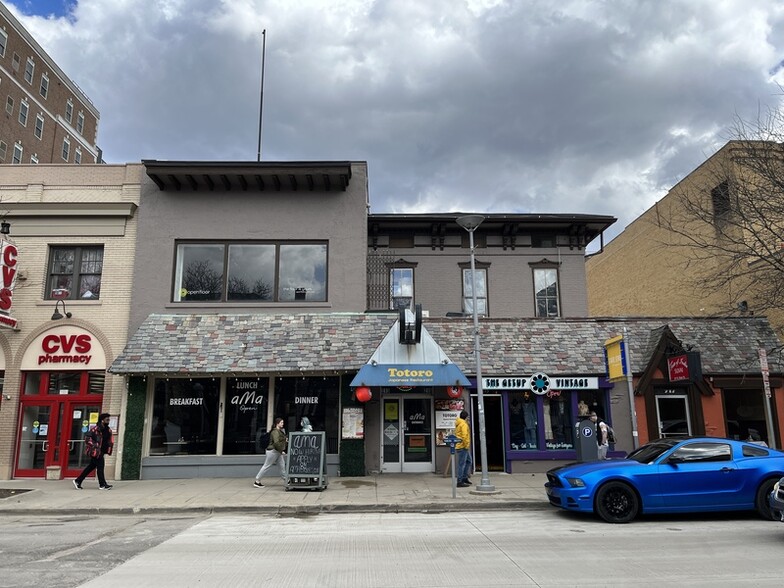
x=374 y=493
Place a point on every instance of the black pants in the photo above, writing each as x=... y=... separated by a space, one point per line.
x=96 y=463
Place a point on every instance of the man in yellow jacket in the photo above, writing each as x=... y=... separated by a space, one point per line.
x=464 y=462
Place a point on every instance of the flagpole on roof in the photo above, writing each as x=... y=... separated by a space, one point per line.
x=261 y=94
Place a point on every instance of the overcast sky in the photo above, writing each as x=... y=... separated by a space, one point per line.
x=519 y=106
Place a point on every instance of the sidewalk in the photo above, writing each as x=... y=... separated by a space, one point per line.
x=377 y=493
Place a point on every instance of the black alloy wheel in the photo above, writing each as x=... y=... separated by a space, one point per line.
x=761 y=503
x=617 y=502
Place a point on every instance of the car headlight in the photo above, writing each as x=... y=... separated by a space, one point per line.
x=576 y=482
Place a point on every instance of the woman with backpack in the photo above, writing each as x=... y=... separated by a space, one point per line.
x=276 y=453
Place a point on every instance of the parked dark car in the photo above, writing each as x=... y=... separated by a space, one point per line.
x=776 y=500
x=697 y=474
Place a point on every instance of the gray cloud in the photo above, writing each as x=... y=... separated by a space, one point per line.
x=487 y=106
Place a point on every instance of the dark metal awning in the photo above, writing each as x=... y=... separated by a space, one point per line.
x=410 y=375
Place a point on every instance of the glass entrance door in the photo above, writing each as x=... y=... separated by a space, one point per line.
x=51 y=433
x=673 y=416
x=407 y=434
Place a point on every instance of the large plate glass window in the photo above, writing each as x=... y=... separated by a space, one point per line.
x=303 y=273
x=252 y=272
x=245 y=421
x=185 y=416
x=75 y=272
x=316 y=398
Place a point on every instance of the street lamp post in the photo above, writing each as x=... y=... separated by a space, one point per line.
x=470 y=223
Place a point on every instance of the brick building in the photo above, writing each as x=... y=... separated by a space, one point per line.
x=46 y=118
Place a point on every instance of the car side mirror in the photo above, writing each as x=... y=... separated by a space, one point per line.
x=674 y=460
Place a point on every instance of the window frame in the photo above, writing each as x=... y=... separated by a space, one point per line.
x=38 y=131
x=3 y=42
x=43 y=88
x=401 y=288
x=76 y=274
x=467 y=301
x=66 y=152
x=9 y=104
x=78 y=155
x=18 y=153
x=34 y=158
x=24 y=111
x=80 y=123
x=29 y=72
x=69 y=111
x=546 y=266
x=227 y=270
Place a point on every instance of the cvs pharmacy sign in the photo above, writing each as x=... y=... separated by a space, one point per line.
x=8 y=270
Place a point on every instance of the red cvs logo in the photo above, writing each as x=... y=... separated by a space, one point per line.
x=66 y=343
x=9 y=274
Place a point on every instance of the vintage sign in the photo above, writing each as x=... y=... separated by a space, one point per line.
x=8 y=267
x=678 y=368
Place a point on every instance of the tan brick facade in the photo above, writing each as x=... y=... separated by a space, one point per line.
x=67 y=205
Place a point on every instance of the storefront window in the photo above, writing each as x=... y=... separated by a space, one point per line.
x=245 y=423
x=558 y=422
x=185 y=416
x=32 y=382
x=523 y=421
x=64 y=382
x=591 y=400
x=316 y=398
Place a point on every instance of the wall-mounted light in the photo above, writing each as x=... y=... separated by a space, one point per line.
x=5 y=227
x=57 y=316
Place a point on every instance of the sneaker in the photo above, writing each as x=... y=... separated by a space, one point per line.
x=107 y=487
x=258 y=484
x=77 y=485
x=463 y=485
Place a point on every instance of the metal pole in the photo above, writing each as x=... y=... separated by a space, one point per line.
x=261 y=94
x=630 y=387
x=484 y=485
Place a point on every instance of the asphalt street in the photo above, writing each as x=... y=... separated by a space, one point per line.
x=530 y=547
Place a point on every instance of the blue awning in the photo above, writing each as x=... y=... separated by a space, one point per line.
x=410 y=375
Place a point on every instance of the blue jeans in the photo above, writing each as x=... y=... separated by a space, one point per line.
x=464 y=464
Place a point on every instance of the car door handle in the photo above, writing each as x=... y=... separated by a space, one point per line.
x=725 y=469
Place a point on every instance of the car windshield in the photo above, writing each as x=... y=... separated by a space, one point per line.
x=648 y=453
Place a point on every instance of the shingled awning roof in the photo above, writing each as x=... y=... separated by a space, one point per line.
x=343 y=342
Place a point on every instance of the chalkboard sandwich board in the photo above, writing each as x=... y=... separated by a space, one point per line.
x=306 y=461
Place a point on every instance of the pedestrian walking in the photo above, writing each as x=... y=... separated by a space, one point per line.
x=99 y=441
x=464 y=463
x=276 y=453
x=601 y=435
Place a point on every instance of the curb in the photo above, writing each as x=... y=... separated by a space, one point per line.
x=284 y=511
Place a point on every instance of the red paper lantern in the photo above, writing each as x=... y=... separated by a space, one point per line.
x=454 y=391
x=364 y=394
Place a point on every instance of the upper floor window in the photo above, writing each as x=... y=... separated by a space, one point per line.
x=80 y=123
x=18 y=152
x=66 y=149
x=29 y=71
x=720 y=197
x=44 y=85
x=236 y=272
x=69 y=111
x=3 y=42
x=3 y=148
x=39 y=126
x=75 y=272
x=9 y=105
x=546 y=292
x=23 y=110
x=34 y=158
x=16 y=61
x=481 y=289
x=78 y=155
x=401 y=287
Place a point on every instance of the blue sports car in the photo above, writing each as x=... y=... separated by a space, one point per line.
x=776 y=500
x=697 y=474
